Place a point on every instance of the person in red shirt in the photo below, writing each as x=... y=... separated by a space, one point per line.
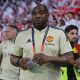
x=72 y=34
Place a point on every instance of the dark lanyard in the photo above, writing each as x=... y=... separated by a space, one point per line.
x=33 y=40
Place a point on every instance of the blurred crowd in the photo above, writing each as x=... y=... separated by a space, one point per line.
x=18 y=12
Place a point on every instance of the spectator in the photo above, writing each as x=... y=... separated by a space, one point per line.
x=70 y=73
x=61 y=24
x=9 y=72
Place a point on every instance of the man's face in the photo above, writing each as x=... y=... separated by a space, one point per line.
x=10 y=33
x=73 y=35
x=39 y=16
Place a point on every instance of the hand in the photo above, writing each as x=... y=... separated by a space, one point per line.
x=23 y=63
x=77 y=63
x=40 y=58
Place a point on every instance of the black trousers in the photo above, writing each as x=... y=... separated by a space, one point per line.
x=71 y=73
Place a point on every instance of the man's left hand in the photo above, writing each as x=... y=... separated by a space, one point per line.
x=40 y=58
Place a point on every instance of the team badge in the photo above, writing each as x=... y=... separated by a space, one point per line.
x=75 y=50
x=49 y=39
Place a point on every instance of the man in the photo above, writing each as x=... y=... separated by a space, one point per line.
x=40 y=44
x=69 y=73
x=9 y=72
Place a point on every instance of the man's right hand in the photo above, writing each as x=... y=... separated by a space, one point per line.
x=23 y=63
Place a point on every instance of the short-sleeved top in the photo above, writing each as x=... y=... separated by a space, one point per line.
x=9 y=72
x=55 y=43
